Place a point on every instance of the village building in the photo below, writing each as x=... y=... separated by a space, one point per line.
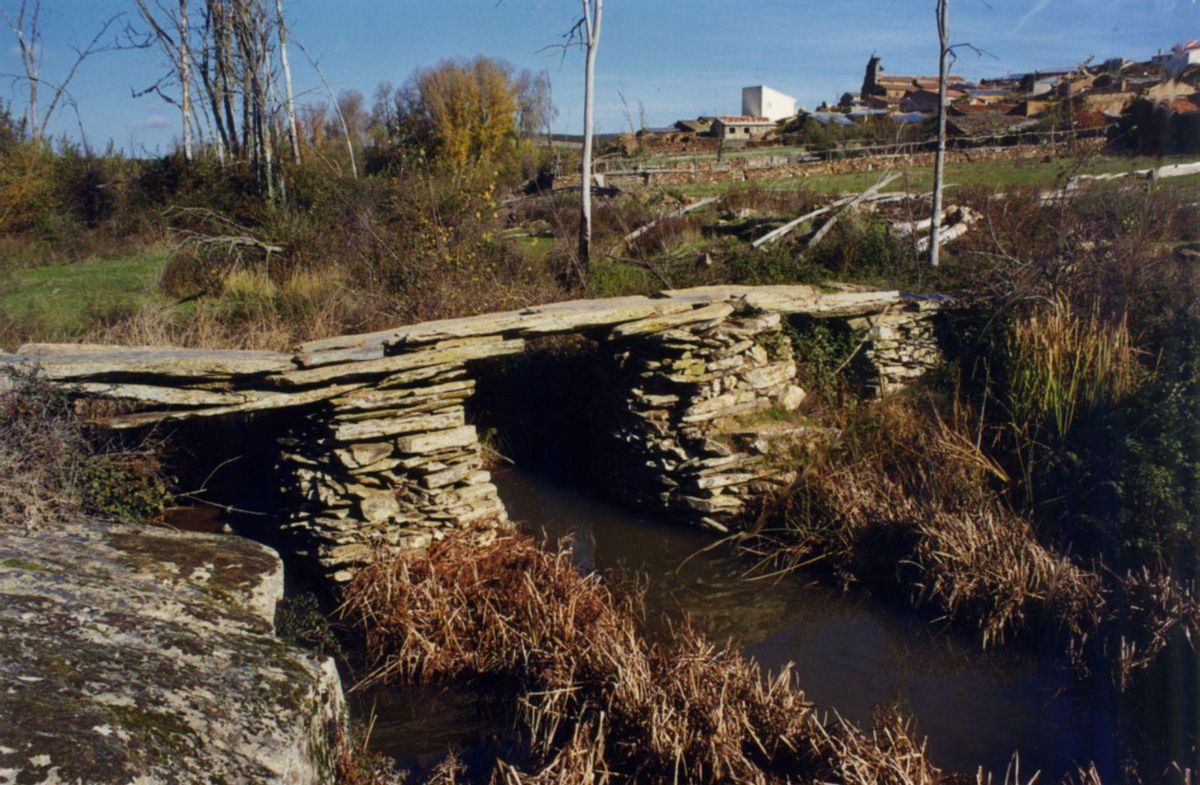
x=1179 y=58
x=701 y=125
x=763 y=101
x=1103 y=101
x=923 y=101
x=1169 y=90
x=1183 y=106
x=741 y=128
x=893 y=89
x=986 y=125
x=984 y=96
x=1031 y=108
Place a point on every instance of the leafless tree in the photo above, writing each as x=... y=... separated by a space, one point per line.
x=27 y=28
x=337 y=108
x=588 y=30
x=171 y=31
x=939 y=161
x=289 y=96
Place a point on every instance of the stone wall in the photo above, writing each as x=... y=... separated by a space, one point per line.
x=678 y=387
x=709 y=171
x=390 y=465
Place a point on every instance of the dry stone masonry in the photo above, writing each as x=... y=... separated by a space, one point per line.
x=379 y=452
x=682 y=384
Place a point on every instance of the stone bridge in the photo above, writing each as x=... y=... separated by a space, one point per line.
x=379 y=451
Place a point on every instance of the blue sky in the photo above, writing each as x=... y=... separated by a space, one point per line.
x=678 y=58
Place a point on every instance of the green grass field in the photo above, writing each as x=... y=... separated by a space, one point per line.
x=59 y=301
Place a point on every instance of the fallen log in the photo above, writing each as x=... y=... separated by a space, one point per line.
x=867 y=194
x=907 y=228
x=957 y=224
x=636 y=233
x=790 y=226
x=787 y=228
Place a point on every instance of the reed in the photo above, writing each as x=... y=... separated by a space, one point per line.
x=599 y=702
x=905 y=503
x=1060 y=366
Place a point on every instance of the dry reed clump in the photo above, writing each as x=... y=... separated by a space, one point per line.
x=40 y=449
x=905 y=502
x=979 y=565
x=600 y=702
x=1156 y=608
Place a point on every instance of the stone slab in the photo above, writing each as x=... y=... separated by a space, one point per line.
x=139 y=655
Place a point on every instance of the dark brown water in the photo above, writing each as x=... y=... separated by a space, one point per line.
x=850 y=652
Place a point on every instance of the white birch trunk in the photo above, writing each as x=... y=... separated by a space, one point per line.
x=185 y=79
x=289 y=97
x=939 y=161
x=591 y=22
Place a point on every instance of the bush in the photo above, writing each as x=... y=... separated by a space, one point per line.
x=50 y=470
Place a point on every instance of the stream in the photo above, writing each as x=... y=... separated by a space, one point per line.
x=850 y=652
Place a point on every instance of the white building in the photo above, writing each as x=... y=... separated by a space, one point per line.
x=762 y=101
x=1173 y=62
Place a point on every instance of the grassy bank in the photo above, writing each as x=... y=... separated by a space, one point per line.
x=61 y=301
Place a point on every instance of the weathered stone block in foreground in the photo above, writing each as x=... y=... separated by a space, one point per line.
x=130 y=654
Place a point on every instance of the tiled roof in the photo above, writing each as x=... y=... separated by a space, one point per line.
x=1184 y=106
x=742 y=119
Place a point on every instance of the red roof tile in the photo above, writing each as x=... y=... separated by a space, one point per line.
x=1184 y=106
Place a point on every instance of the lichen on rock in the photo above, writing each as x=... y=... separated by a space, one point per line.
x=132 y=654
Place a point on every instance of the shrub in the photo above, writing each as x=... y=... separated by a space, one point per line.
x=50 y=470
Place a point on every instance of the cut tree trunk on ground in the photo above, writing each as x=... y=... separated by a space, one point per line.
x=636 y=233
x=956 y=222
x=790 y=226
x=883 y=182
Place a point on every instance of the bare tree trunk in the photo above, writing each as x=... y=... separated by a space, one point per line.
x=222 y=94
x=593 y=12
x=27 y=29
x=28 y=47
x=336 y=108
x=939 y=161
x=185 y=79
x=289 y=97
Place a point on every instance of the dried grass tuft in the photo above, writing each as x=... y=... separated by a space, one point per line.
x=599 y=700
x=905 y=502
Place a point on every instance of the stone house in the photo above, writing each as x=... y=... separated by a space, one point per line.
x=893 y=89
x=923 y=101
x=741 y=128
